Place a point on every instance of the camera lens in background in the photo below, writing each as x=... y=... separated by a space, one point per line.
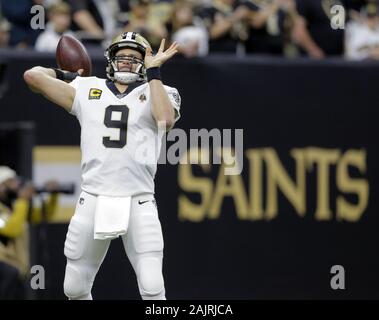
x=61 y=188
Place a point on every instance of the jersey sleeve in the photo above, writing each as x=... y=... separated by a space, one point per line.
x=75 y=109
x=77 y=5
x=207 y=15
x=251 y=6
x=302 y=8
x=175 y=100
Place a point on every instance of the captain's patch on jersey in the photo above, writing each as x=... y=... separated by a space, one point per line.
x=94 y=93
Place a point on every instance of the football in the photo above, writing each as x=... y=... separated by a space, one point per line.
x=71 y=55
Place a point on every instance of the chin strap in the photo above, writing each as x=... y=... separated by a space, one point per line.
x=125 y=77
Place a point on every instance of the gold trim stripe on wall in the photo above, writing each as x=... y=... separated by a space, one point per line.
x=49 y=154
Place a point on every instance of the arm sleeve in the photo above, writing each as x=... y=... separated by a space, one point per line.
x=251 y=6
x=302 y=8
x=75 y=110
x=14 y=226
x=77 y=5
x=207 y=16
x=51 y=207
x=175 y=100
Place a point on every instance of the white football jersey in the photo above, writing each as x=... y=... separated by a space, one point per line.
x=120 y=140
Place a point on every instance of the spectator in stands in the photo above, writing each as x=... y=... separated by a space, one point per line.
x=187 y=30
x=15 y=212
x=271 y=23
x=59 y=23
x=124 y=5
x=356 y=5
x=161 y=10
x=122 y=15
x=226 y=23
x=313 y=31
x=141 y=21
x=362 y=35
x=4 y=31
x=94 y=19
x=18 y=15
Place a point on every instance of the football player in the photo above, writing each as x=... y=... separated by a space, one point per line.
x=117 y=196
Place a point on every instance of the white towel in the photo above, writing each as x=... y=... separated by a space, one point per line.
x=111 y=217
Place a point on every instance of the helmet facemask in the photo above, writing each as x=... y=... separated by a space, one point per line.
x=135 y=72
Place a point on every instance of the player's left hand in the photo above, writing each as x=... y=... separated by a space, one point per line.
x=161 y=56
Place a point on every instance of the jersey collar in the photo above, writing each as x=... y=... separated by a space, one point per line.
x=112 y=87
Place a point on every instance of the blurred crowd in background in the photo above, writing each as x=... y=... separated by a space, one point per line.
x=289 y=28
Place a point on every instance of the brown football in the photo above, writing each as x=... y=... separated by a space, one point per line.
x=71 y=56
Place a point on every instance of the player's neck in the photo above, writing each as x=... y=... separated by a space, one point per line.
x=121 y=87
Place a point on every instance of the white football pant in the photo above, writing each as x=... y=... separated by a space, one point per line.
x=143 y=244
